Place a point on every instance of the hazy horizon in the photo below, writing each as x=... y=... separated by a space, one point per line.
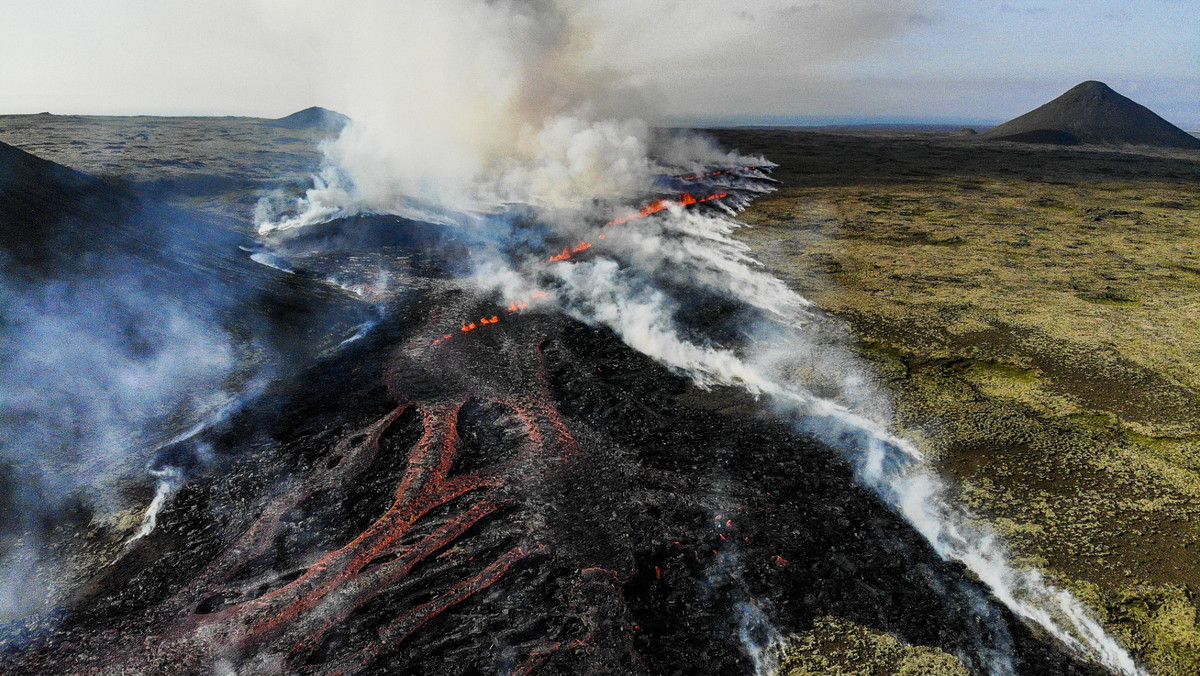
x=703 y=62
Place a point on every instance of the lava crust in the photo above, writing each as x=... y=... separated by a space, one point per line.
x=536 y=498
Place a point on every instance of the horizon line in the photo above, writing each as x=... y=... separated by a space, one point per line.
x=674 y=121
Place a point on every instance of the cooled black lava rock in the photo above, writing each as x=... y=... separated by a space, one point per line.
x=647 y=548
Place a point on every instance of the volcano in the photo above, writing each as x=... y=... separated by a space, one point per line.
x=315 y=117
x=1092 y=113
x=529 y=499
x=517 y=493
x=439 y=477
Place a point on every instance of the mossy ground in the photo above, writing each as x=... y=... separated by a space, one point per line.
x=1035 y=316
x=836 y=647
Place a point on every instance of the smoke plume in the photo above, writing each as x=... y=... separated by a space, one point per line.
x=96 y=373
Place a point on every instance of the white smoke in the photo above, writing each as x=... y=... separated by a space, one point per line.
x=604 y=293
x=92 y=373
x=761 y=641
x=464 y=106
x=460 y=104
x=169 y=480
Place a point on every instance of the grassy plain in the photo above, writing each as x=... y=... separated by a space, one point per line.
x=1034 y=313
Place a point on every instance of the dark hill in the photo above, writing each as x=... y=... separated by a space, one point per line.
x=313 y=118
x=46 y=203
x=55 y=220
x=1091 y=112
x=57 y=223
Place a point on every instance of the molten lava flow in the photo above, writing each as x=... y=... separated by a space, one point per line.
x=686 y=199
x=434 y=509
x=652 y=208
x=569 y=252
x=513 y=307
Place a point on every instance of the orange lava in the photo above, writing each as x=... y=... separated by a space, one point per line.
x=293 y=621
x=568 y=252
x=686 y=199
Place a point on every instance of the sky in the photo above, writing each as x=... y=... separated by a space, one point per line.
x=694 y=61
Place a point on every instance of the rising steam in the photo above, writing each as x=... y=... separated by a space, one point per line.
x=92 y=374
x=467 y=107
x=627 y=300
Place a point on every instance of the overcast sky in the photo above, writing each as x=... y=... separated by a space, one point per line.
x=699 y=60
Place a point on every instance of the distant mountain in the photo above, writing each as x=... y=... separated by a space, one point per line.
x=1091 y=112
x=313 y=118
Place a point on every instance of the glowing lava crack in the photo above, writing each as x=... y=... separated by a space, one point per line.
x=284 y=623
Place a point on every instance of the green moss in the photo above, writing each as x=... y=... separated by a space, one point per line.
x=838 y=647
x=1118 y=298
x=1160 y=622
x=881 y=351
x=1028 y=376
x=1064 y=405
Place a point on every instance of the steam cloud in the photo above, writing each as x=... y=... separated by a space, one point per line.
x=469 y=107
x=95 y=373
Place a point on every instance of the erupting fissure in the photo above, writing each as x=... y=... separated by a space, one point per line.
x=686 y=199
x=569 y=252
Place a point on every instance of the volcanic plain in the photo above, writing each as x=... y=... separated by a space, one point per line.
x=1034 y=313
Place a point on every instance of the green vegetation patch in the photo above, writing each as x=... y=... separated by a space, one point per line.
x=838 y=647
x=1035 y=320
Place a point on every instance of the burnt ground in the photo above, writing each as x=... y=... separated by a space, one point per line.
x=602 y=526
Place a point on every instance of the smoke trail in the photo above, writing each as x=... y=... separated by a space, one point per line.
x=607 y=294
x=169 y=480
x=760 y=640
x=501 y=109
x=188 y=454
